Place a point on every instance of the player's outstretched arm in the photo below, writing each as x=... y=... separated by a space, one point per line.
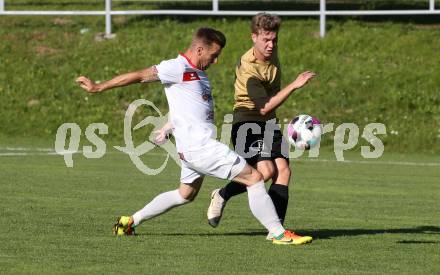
x=274 y=102
x=145 y=75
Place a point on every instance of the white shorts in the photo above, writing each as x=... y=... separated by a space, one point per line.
x=212 y=159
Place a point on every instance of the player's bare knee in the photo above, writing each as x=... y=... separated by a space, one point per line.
x=284 y=172
x=256 y=176
x=282 y=175
x=248 y=176
x=190 y=198
x=188 y=195
x=266 y=168
x=267 y=173
x=189 y=191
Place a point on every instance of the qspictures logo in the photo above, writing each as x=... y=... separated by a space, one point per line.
x=346 y=136
x=68 y=146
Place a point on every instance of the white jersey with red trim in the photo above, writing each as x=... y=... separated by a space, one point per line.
x=190 y=101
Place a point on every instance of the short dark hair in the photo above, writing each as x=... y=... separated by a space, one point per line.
x=209 y=36
x=265 y=22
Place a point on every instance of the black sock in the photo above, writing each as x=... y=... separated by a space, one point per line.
x=231 y=189
x=280 y=198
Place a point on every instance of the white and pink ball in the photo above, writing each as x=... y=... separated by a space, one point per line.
x=304 y=132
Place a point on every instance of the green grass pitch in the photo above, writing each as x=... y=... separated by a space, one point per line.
x=375 y=217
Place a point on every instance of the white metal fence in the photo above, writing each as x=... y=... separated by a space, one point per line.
x=215 y=11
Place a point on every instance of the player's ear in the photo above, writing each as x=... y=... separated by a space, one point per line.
x=200 y=50
x=254 y=37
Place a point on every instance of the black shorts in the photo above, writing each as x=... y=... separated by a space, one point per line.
x=259 y=142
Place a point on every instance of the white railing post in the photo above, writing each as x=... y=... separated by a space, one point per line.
x=2 y=5
x=322 y=18
x=431 y=5
x=108 y=17
x=214 y=5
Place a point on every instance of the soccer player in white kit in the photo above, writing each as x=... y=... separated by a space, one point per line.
x=188 y=92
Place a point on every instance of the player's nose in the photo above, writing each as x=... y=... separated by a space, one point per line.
x=270 y=45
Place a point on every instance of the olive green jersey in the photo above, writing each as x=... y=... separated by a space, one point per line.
x=255 y=79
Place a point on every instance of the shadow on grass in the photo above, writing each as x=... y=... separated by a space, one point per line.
x=417 y=242
x=251 y=232
x=322 y=233
x=331 y=233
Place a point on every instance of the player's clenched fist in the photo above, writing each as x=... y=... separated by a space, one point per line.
x=87 y=84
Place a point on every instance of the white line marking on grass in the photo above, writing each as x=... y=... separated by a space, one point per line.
x=49 y=151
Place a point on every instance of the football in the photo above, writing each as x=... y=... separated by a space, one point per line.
x=304 y=132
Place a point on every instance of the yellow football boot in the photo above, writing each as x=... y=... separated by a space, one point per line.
x=123 y=226
x=292 y=238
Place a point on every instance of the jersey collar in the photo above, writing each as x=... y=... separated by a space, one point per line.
x=189 y=61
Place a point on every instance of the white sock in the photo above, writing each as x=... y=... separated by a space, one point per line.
x=263 y=209
x=159 y=205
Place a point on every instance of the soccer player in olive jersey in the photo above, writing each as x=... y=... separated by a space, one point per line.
x=258 y=94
